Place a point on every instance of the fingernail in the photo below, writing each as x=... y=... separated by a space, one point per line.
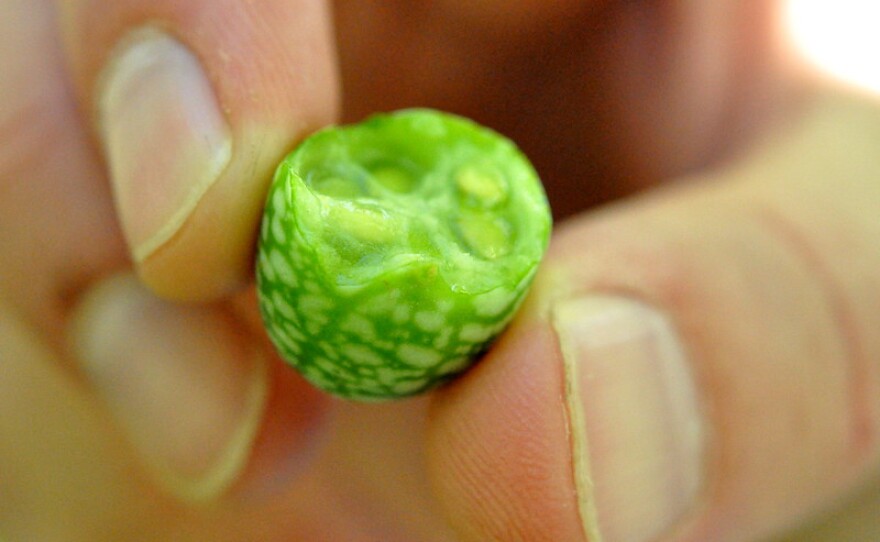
x=165 y=138
x=184 y=384
x=637 y=428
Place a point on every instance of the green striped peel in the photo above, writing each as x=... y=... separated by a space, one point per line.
x=392 y=252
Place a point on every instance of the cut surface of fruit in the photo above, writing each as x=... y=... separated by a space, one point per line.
x=392 y=252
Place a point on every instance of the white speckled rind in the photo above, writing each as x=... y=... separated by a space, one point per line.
x=369 y=288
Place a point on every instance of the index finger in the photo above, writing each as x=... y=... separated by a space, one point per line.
x=194 y=104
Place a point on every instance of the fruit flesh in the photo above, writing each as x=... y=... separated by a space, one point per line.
x=392 y=252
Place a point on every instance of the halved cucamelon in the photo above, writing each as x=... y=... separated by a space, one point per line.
x=392 y=252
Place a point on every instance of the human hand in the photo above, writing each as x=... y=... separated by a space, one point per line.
x=125 y=417
x=131 y=418
x=609 y=98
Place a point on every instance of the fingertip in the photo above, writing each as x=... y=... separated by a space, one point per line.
x=204 y=403
x=210 y=256
x=187 y=385
x=195 y=104
x=498 y=449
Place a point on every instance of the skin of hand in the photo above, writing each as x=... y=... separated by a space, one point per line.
x=697 y=361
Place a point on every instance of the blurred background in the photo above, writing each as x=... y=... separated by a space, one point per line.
x=840 y=39
x=606 y=98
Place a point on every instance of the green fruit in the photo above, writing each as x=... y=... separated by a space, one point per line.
x=392 y=252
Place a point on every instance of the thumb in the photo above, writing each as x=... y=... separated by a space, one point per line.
x=194 y=104
x=696 y=365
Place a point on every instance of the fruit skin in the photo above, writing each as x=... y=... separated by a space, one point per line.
x=392 y=252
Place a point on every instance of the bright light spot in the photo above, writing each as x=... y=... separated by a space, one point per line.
x=842 y=37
